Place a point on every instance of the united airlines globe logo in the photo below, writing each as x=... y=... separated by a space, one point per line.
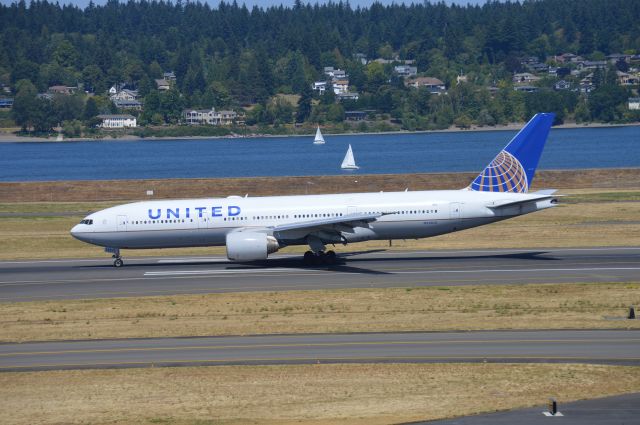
x=504 y=174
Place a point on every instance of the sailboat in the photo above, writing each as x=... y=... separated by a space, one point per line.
x=349 y=163
x=319 y=140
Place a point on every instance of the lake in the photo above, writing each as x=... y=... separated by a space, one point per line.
x=608 y=147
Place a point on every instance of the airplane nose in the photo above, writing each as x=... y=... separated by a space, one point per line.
x=75 y=231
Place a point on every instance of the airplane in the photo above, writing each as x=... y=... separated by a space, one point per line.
x=251 y=228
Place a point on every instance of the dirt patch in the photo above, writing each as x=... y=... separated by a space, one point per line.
x=112 y=190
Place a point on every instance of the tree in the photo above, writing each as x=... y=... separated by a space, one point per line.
x=90 y=109
x=44 y=117
x=304 y=104
x=24 y=104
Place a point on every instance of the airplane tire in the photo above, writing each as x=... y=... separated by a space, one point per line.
x=330 y=257
x=118 y=262
x=309 y=258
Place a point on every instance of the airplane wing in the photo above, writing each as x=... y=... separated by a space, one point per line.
x=348 y=220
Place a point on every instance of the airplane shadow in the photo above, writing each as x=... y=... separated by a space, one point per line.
x=345 y=262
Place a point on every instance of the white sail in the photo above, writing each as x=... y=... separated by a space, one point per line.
x=349 y=162
x=319 y=140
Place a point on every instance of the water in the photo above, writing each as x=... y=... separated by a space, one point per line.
x=297 y=156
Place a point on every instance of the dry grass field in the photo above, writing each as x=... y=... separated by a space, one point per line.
x=561 y=306
x=320 y=394
x=603 y=209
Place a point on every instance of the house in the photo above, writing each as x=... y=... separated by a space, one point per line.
x=568 y=58
x=117 y=121
x=394 y=60
x=169 y=76
x=63 y=90
x=208 y=117
x=334 y=73
x=592 y=65
x=434 y=85
x=340 y=86
x=319 y=86
x=128 y=104
x=227 y=117
x=562 y=85
x=539 y=67
x=634 y=103
x=163 y=84
x=406 y=70
x=347 y=96
x=525 y=77
x=124 y=94
x=625 y=79
x=615 y=57
x=586 y=87
x=355 y=115
x=6 y=103
x=361 y=57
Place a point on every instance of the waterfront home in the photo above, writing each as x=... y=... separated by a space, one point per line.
x=112 y=121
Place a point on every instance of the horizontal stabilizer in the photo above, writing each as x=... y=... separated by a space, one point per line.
x=511 y=203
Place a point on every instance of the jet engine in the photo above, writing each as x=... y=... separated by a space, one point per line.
x=250 y=246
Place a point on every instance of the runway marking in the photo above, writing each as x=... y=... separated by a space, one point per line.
x=320 y=344
x=226 y=271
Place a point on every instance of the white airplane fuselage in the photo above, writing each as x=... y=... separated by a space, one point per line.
x=207 y=221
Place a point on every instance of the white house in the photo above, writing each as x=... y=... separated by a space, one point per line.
x=208 y=117
x=340 y=86
x=124 y=94
x=163 y=84
x=406 y=70
x=634 y=103
x=525 y=77
x=319 y=86
x=117 y=121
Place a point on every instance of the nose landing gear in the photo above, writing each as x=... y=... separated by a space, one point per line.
x=117 y=262
x=117 y=259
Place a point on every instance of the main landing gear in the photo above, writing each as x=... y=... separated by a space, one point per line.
x=320 y=258
x=317 y=255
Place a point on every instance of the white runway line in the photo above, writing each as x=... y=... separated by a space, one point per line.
x=214 y=272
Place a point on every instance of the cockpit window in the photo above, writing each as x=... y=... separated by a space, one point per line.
x=89 y=222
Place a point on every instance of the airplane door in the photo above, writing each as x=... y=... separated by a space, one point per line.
x=352 y=210
x=455 y=209
x=121 y=223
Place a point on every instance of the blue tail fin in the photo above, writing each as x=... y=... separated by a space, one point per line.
x=512 y=170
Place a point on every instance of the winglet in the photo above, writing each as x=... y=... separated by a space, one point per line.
x=512 y=170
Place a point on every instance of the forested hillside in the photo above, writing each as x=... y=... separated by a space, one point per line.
x=233 y=58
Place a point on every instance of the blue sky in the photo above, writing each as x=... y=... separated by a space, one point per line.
x=266 y=3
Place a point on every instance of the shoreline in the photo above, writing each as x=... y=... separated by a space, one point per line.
x=6 y=137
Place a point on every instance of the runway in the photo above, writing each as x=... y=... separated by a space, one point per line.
x=567 y=346
x=97 y=278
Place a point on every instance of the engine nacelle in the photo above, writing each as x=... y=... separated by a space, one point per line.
x=250 y=246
